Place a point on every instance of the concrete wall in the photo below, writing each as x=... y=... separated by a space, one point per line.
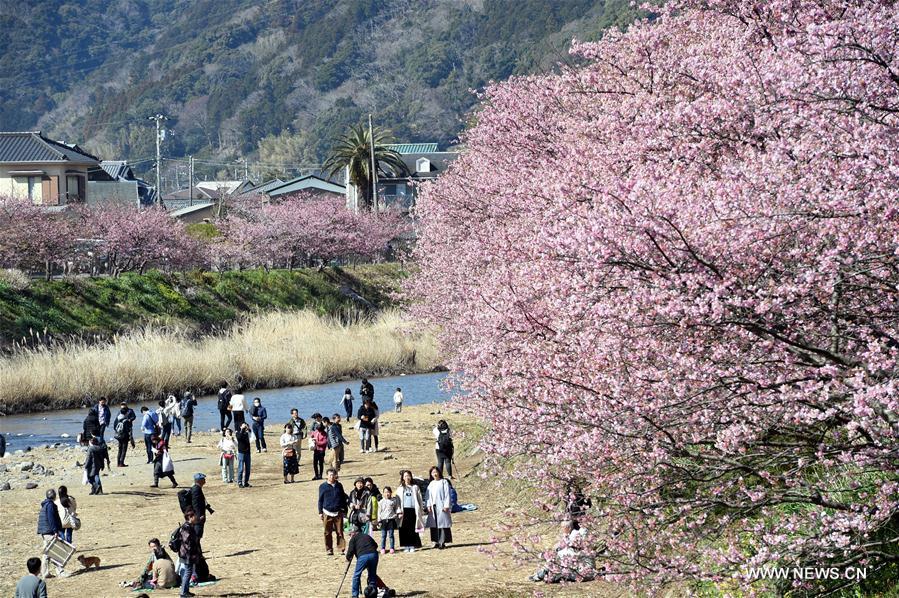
x=123 y=192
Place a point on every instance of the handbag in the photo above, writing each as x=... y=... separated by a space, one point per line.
x=227 y=456
x=289 y=453
x=167 y=464
x=71 y=520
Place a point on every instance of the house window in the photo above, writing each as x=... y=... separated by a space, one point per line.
x=390 y=190
x=74 y=188
x=422 y=165
x=30 y=187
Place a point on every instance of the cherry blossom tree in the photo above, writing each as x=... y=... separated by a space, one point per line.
x=33 y=238
x=670 y=277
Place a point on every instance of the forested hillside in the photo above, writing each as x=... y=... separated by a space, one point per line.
x=272 y=81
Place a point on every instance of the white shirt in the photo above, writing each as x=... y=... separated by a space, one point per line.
x=238 y=403
x=398 y=398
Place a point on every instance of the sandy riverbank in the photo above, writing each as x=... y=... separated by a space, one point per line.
x=265 y=540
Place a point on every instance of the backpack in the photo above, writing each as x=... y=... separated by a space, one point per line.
x=120 y=432
x=175 y=538
x=445 y=443
x=184 y=498
x=224 y=399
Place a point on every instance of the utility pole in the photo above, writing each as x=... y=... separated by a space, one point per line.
x=374 y=167
x=158 y=118
x=246 y=171
x=190 y=179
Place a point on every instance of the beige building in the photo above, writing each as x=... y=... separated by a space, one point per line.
x=45 y=171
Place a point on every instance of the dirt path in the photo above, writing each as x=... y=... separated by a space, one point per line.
x=265 y=540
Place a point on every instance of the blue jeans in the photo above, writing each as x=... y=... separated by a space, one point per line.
x=177 y=421
x=366 y=562
x=167 y=432
x=259 y=432
x=148 y=444
x=66 y=534
x=243 y=469
x=387 y=528
x=189 y=570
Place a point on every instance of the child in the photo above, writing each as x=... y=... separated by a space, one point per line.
x=389 y=514
x=320 y=444
x=398 y=400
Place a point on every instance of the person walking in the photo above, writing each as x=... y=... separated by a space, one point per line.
x=164 y=421
x=68 y=513
x=332 y=506
x=91 y=426
x=366 y=416
x=238 y=405
x=440 y=519
x=347 y=402
x=103 y=417
x=398 y=400
x=389 y=515
x=31 y=586
x=443 y=447
x=198 y=504
x=123 y=430
x=243 y=455
x=148 y=424
x=413 y=512
x=163 y=466
x=224 y=401
x=229 y=452
x=97 y=459
x=188 y=403
x=336 y=442
x=48 y=527
x=189 y=553
x=365 y=549
x=259 y=415
x=289 y=453
x=320 y=445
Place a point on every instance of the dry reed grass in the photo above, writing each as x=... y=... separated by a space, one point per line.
x=268 y=350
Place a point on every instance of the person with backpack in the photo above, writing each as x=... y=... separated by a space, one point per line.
x=336 y=442
x=148 y=425
x=188 y=403
x=289 y=453
x=242 y=436
x=97 y=456
x=224 y=401
x=366 y=416
x=163 y=466
x=332 y=506
x=443 y=447
x=259 y=414
x=189 y=551
x=347 y=402
x=123 y=429
x=67 y=508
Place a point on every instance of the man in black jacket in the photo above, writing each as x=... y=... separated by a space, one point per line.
x=366 y=415
x=198 y=503
x=366 y=390
x=103 y=416
x=187 y=413
x=97 y=456
x=242 y=436
x=331 y=508
x=365 y=549
x=224 y=401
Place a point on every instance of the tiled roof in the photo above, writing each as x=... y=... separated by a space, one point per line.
x=32 y=146
x=310 y=181
x=412 y=148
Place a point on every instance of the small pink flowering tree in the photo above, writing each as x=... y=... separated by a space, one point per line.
x=671 y=278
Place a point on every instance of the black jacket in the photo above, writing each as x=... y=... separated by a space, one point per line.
x=367 y=411
x=224 y=399
x=97 y=456
x=367 y=390
x=198 y=502
x=243 y=441
x=359 y=545
x=190 y=544
x=91 y=426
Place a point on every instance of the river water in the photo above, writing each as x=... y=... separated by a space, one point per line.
x=35 y=429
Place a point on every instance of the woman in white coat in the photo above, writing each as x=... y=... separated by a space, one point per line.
x=439 y=506
x=413 y=518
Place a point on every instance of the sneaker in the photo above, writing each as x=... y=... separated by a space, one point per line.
x=392 y=551
x=265 y=450
x=329 y=552
x=383 y=551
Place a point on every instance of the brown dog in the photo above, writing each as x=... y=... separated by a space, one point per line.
x=88 y=561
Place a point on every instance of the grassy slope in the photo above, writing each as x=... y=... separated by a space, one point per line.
x=104 y=306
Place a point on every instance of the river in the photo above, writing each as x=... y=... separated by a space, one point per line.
x=35 y=429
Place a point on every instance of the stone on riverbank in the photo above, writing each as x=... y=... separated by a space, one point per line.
x=30 y=486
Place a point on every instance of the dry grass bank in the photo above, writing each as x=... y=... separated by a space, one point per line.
x=270 y=350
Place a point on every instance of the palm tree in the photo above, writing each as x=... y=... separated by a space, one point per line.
x=353 y=152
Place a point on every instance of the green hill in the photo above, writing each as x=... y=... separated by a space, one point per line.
x=272 y=81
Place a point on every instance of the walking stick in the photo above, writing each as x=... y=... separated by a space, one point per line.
x=340 y=587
